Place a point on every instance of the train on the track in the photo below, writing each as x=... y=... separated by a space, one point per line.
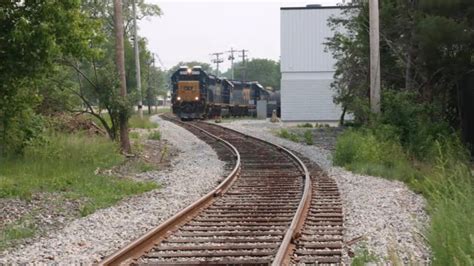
x=197 y=94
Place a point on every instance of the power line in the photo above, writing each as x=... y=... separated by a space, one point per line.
x=217 y=61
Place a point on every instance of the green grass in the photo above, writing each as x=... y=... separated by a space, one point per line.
x=445 y=180
x=155 y=135
x=66 y=163
x=308 y=137
x=136 y=122
x=284 y=133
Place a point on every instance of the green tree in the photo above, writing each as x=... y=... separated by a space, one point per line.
x=265 y=71
x=426 y=49
x=34 y=35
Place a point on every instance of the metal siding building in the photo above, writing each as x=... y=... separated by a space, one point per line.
x=306 y=68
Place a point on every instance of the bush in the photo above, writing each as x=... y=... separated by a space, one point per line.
x=308 y=137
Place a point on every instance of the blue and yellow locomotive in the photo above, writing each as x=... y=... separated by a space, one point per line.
x=198 y=95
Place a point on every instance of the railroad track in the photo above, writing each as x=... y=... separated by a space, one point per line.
x=254 y=217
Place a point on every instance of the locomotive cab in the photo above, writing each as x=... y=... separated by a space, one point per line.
x=188 y=96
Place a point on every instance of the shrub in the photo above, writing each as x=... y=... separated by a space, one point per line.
x=308 y=137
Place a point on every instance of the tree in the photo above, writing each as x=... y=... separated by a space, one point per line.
x=120 y=61
x=426 y=49
x=34 y=36
x=265 y=71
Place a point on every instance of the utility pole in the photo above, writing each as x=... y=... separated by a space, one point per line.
x=244 y=67
x=231 y=58
x=137 y=60
x=374 y=56
x=217 y=61
x=120 y=62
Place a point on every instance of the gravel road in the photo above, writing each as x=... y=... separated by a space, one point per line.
x=380 y=215
x=194 y=172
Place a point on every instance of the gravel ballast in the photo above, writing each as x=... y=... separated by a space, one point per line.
x=383 y=216
x=194 y=172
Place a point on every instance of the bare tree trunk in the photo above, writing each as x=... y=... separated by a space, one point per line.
x=120 y=61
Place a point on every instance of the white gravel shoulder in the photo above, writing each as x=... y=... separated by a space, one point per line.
x=194 y=172
x=383 y=216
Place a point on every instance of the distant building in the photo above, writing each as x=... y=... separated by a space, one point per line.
x=306 y=68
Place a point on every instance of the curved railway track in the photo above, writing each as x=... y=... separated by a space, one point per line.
x=255 y=216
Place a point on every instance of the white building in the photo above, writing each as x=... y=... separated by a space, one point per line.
x=306 y=68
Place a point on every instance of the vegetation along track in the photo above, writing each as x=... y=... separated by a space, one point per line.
x=253 y=217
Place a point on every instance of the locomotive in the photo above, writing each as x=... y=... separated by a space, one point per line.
x=197 y=94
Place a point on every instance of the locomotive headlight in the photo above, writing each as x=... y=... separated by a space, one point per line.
x=197 y=98
x=179 y=98
x=189 y=71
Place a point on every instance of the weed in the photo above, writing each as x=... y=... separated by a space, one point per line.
x=284 y=133
x=363 y=257
x=23 y=228
x=308 y=137
x=164 y=153
x=155 y=135
x=305 y=125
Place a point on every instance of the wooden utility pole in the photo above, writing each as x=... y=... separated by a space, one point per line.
x=231 y=58
x=137 y=60
x=120 y=62
x=244 y=67
x=374 y=56
x=217 y=61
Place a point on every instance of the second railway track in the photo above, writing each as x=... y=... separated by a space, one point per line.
x=253 y=217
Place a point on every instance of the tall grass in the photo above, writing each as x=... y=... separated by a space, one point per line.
x=67 y=163
x=446 y=182
x=136 y=122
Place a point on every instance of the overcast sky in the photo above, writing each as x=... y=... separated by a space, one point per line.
x=192 y=30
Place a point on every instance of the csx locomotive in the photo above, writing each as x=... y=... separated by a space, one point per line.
x=197 y=95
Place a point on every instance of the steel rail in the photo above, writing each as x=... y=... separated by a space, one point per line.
x=142 y=244
x=138 y=247
x=287 y=246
